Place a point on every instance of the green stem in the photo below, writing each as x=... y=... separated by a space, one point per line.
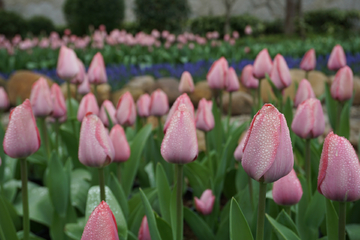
x=342 y=220
x=229 y=111
x=281 y=103
x=25 y=201
x=57 y=126
x=95 y=92
x=251 y=192
x=160 y=132
x=259 y=95
x=220 y=101
x=254 y=100
x=118 y=171
x=70 y=113
x=308 y=166
x=179 y=202
x=306 y=75
x=2 y=236
x=261 y=211
x=207 y=152
x=45 y=137
x=102 y=184
x=288 y=210
x=338 y=117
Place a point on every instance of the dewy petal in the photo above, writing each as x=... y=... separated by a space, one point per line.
x=342 y=86
x=287 y=190
x=217 y=74
x=143 y=105
x=159 y=104
x=67 y=66
x=204 y=117
x=262 y=64
x=247 y=77
x=40 y=98
x=125 y=110
x=4 y=99
x=303 y=121
x=79 y=78
x=88 y=104
x=182 y=99
x=304 y=92
x=59 y=104
x=319 y=121
x=280 y=73
x=232 y=81
x=120 y=143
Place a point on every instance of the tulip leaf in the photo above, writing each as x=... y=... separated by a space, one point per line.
x=79 y=188
x=7 y=228
x=216 y=134
x=117 y=190
x=282 y=232
x=198 y=225
x=344 y=129
x=164 y=228
x=110 y=122
x=132 y=236
x=288 y=112
x=154 y=232
x=239 y=228
x=32 y=236
x=315 y=212
x=72 y=144
x=331 y=221
x=74 y=230
x=353 y=231
x=2 y=155
x=130 y=167
x=284 y=219
x=198 y=177
x=164 y=192
x=331 y=106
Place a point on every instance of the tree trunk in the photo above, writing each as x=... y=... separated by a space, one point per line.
x=292 y=12
x=1 y=4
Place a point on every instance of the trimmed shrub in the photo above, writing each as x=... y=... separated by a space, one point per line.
x=40 y=24
x=11 y=24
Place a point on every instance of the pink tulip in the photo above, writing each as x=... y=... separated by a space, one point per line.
x=97 y=70
x=40 y=98
x=125 y=110
x=95 y=147
x=247 y=77
x=4 y=99
x=22 y=135
x=337 y=58
x=182 y=99
x=216 y=76
x=79 y=78
x=121 y=145
x=186 y=83
x=262 y=64
x=232 y=81
x=339 y=178
x=248 y=30
x=180 y=144
x=204 y=117
x=88 y=104
x=287 y=190
x=101 y=224
x=59 y=106
x=206 y=202
x=110 y=110
x=144 y=232
x=304 y=92
x=342 y=86
x=280 y=73
x=67 y=66
x=268 y=152
x=239 y=151
x=143 y=105
x=308 y=63
x=159 y=104
x=84 y=87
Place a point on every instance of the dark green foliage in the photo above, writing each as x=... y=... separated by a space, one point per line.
x=161 y=14
x=40 y=24
x=11 y=24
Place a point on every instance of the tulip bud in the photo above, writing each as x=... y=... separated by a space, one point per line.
x=79 y=78
x=143 y=105
x=267 y=154
x=262 y=64
x=216 y=76
x=84 y=87
x=239 y=151
x=342 y=86
x=88 y=104
x=144 y=232
x=304 y=92
x=206 y=202
x=110 y=110
x=101 y=224
x=186 y=83
x=287 y=190
x=232 y=81
x=337 y=58
x=180 y=144
x=182 y=99
x=159 y=104
x=40 y=98
x=67 y=66
x=97 y=70
x=204 y=117
x=120 y=143
x=280 y=73
x=125 y=110
x=247 y=77
x=339 y=178
x=22 y=135
x=4 y=99
x=95 y=147
x=308 y=63
x=59 y=106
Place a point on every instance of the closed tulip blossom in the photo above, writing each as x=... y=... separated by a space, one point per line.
x=144 y=232
x=101 y=224
x=84 y=87
x=125 y=110
x=280 y=73
x=206 y=202
x=304 y=92
x=342 y=86
x=67 y=66
x=40 y=98
x=182 y=99
x=79 y=77
x=22 y=135
x=262 y=64
x=88 y=104
x=159 y=104
x=337 y=58
x=204 y=117
x=4 y=99
x=59 y=106
x=232 y=81
x=247 y=77
x=216 y=76
x=186 y=84
x=287 y=190
x=97 y=71
x=308 y=63
x=120 y=143
x=110 y=109
x=143 y=105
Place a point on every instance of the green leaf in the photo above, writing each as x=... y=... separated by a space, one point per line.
x=282 y=232
x=198 y=177
x=111 y=124
x=79 y=188
x=164 y=228
x=71 y=142
x=284 y=219
x=345 y=119
x=239 y=228
x=353 y=231
x=331 y=106
x=164 y=192
x=316 y=210
x=154 y=232
x=117 y=190
x=288 y=111
x=216 y=135
x=6 y=224
x=74 y=230
x=332 y=221
x=173 y=211
x=198 y=225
